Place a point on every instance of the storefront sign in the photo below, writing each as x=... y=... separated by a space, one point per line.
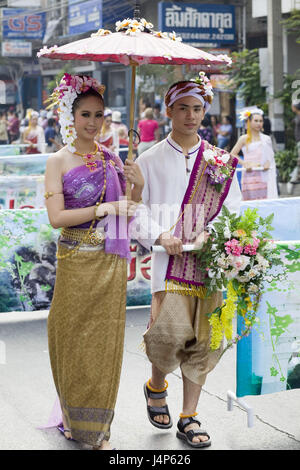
x=198 y=24
x=21 y=24
x=16 y=49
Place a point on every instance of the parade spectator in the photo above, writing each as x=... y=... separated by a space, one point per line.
x=117 y=123
x=3 y=129
x=224 y=133
x=149 y=132
x=161 y=120
x=206 y=131
x=34 y=135
x=51 y=137
x=14 y=128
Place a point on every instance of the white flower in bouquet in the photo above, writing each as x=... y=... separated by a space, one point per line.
x=262 y=261
x=209 y=155
x=231 y=274
x=239 y=262
x=222 y=261
x=224 y=158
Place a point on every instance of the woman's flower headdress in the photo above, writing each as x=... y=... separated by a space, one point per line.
x=246 y=114
x=64 y=96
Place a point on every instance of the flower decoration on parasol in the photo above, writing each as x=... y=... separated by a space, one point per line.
x=135 y=42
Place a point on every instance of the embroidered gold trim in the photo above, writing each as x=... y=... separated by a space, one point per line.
x=184 y=288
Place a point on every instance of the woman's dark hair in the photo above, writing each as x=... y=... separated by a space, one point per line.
x=82 y=96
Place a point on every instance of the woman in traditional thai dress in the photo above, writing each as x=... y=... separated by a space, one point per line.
x=258 y=153
x=34 y=135
x=85 y=184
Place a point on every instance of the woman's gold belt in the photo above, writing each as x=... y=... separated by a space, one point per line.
x=93 y=238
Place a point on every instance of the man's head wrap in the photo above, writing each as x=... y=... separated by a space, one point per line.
x=200 y=88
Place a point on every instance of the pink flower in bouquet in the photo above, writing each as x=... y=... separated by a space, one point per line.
x=251 y=248
x=233 y=247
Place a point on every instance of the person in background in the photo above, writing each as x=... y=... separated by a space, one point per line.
x=34 y=135
x=3 y=129
x=109 y=136
x=224 y=133
x=14 y=128
x=161 y=120
x=206 y=131
x=258 y=152
x=117 y=123
x=149 y=131
x=51 y=137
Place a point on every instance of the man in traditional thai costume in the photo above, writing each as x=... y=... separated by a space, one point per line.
x=184 y=191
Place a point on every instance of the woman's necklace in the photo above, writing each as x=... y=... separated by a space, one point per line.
x=87 y=158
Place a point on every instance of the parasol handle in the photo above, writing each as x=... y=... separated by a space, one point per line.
x=131 y=118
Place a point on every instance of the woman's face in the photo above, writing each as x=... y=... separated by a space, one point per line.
x=108 y=121
x=33 y=121
x=88 y=117
x=257 y=122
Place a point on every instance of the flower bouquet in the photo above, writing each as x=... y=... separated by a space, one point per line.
x=237 y=256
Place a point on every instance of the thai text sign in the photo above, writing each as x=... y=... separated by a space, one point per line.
x=198 y=23
x=21 y=24
x=85 y=16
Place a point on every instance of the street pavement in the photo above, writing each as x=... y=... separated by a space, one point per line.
x=27 y=395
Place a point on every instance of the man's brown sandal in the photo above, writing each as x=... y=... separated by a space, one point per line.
x=189 y=435
x=153 y=411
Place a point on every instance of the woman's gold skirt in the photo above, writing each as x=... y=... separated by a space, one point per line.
x=86 y=336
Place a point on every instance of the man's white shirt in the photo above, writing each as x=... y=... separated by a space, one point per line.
x=166 y=181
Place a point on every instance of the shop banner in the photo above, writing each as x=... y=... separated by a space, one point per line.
x=268 y=360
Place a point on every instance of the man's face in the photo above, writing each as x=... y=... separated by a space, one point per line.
x=187 y=114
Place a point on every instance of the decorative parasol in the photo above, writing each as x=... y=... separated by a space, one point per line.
x=134 y=43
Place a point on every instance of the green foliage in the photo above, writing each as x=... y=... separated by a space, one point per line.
x=245 y=74
x=292 y=24
x=286 y=161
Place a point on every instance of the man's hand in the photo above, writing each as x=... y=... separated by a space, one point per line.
x=172 y=245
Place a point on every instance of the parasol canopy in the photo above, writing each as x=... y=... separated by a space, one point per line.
x=133 y=49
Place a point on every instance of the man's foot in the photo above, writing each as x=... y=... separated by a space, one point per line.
x=157 y=409
x=189 y=430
